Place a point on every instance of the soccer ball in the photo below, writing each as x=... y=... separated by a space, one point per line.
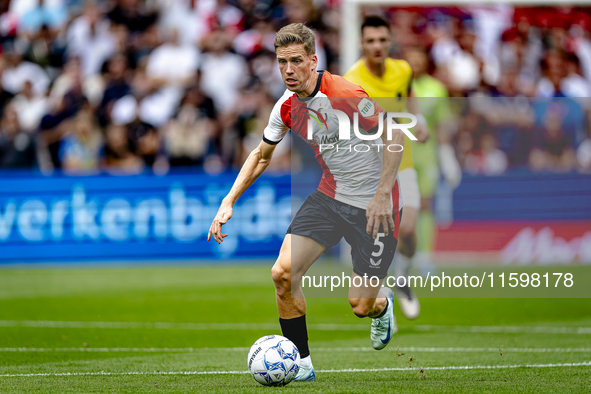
x=273 y=360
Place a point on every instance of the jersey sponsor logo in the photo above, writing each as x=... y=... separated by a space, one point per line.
x=328 y=140
x=366 y=108
x=323 y=140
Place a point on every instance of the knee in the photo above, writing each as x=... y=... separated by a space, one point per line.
x=281 y=275
x=360 y=308
x=407 y=231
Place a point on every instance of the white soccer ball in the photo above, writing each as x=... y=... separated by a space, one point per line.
x=273 y=360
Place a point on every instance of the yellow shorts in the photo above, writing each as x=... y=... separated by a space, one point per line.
x=407 y=155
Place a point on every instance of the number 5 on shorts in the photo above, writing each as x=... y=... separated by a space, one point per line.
x=381 y=245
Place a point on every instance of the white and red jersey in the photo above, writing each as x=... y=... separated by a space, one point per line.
x=350 y=175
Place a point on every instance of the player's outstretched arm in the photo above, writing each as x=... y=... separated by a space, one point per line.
x=253 y=167
x=379 y=209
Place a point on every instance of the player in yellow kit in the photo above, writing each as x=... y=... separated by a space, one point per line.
x=388 y=81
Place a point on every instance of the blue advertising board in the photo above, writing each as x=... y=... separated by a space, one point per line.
x=61 y=218
x=105 y=217
x=523 y=195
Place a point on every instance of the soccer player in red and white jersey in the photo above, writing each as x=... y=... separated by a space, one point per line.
x=358 y=196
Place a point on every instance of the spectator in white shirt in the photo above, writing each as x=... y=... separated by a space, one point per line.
x=223 y=73
x=170 y=69
x=489 y=160
x=29 y=108
x=574 y=84
x=90 y=38
x=18 y=71
x=173 y=64
x=92 y=87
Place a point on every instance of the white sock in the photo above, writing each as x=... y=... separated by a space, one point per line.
x=306 y=361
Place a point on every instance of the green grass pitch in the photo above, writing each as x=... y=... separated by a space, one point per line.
x=188 y=329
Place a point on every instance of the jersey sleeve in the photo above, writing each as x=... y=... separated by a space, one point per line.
x=357 y=101
x=276 y=128
x=369 y=113
x=350 y=98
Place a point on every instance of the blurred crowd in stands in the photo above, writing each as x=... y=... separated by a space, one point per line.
x=125 y=85
x=523 y=76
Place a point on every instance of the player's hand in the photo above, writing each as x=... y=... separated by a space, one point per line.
x=379 y=211
x=224 y=214
x=421 y=132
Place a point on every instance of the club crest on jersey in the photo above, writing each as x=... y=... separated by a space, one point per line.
x=317 y=116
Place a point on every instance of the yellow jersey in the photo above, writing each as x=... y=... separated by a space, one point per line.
x=389 y=91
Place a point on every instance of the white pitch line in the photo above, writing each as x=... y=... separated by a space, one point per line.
x=322 y=349
x=505 y=329
x=442 y=368
x=464 y=367
x=495 y=349
x=116 y=349
x=172 y=326
x=273 y=326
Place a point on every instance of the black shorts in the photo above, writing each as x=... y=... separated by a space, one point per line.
x=326 y=220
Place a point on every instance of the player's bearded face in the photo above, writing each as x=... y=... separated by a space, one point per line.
x=376 y=42
x=296 y=67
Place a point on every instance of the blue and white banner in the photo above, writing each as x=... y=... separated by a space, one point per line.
x=63 y=218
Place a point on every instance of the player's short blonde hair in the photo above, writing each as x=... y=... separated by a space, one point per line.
x=296 y=33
